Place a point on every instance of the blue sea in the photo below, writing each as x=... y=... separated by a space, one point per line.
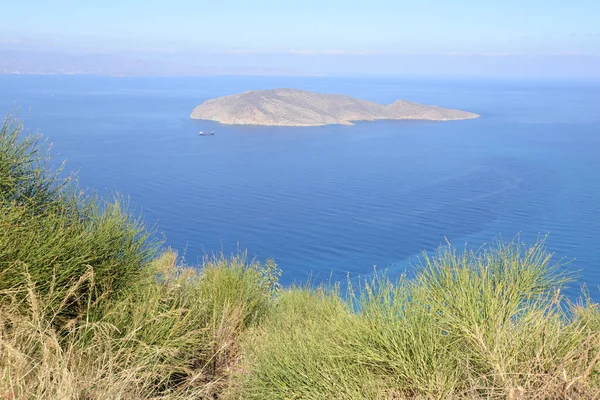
x=330 y=201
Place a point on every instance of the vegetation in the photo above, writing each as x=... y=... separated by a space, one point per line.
x=90 y=310
x=53 y=233
x=490 y=324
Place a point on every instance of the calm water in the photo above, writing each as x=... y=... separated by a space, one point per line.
x=336 y=199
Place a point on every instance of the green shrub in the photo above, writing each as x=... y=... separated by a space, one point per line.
x=485 y=324
x=52 y=233
x=188 y=320
x=25 y=178
x=298 y=352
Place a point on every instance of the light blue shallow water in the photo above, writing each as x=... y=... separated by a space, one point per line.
x=336 y=199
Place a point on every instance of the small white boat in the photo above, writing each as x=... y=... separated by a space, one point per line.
x=201 y=133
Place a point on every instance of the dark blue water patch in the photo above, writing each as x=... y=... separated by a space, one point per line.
x=336 y=199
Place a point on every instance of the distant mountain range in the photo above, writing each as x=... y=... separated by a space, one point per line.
x=41 y=62
x=293 y=107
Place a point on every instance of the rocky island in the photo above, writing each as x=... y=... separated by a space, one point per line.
x=293 y=107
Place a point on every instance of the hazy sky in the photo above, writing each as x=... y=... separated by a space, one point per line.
x=323 y=28
x=434 y=26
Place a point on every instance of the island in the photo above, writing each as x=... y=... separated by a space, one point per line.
x=293 y=107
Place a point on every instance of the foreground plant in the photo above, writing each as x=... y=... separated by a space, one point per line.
x=174 y=334
x=485 y=324
x=52 y=233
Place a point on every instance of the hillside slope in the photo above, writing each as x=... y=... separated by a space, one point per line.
x=293 y=107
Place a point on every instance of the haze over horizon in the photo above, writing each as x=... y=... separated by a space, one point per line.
x=516 y=39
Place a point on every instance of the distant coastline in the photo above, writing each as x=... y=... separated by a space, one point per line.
x=293 y=107
x=45 y=62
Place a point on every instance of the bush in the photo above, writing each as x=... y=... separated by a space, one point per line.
x=189 y=320
x=486 y=324
x=174 y=334
x=25 y=178
x=299 y=351
x=51 y=233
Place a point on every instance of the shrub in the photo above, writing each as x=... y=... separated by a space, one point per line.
x=51 y=233
x=299 y=351
x=485 y=324
x=173 y=335
x=188 y=320
x=25 y=178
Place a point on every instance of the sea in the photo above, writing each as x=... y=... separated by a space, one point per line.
x=328 y=203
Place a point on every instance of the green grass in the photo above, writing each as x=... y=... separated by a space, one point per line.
x=486 y=324
x=90 y=310
x=52 y=233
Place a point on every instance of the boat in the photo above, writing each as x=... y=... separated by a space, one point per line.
x=201 y=133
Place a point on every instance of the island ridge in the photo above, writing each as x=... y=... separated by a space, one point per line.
x=293 y=107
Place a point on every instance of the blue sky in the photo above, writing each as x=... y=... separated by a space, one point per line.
x=309 y=27
x=434 y=26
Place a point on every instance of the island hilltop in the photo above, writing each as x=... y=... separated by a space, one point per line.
x=293 y=107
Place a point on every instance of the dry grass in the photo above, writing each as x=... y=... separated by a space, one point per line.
x=168 y=337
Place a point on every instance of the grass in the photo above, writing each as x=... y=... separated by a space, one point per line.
x=486 y=324
x=90 y=310
x=52 y=233
x=168 y=336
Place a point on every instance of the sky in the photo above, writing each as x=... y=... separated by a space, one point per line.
x=326 y=30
